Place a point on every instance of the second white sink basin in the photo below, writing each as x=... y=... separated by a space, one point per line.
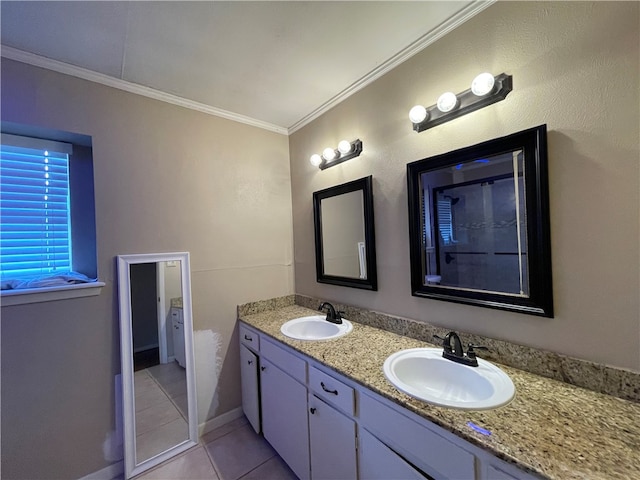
x=315 y=327
x=424 y=374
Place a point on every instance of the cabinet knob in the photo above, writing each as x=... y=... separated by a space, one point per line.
x=263 y=368
x=312 y=410
x=249 y=362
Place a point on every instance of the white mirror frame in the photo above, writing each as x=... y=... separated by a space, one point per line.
x=132 y=467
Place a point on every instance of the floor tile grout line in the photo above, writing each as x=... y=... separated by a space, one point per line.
x=258 y=466
x=157 y=381
x=206 y=450
x=221 y=436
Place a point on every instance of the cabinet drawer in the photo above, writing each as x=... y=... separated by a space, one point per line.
x=429 y=451
x=494 y=473
x=332 y=390
x=249 y=338
x=285 y=360
x=379 y=462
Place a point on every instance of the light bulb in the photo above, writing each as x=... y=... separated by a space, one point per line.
x=329 y=154
x=315 y=160
x=483 y=84
x=447 y=102
x=418 y=114
x=344 y=147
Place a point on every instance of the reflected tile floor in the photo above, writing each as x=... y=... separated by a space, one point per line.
x=231 y=452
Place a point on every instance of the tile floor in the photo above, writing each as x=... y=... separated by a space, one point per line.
x=231 y=452
x=160 y=400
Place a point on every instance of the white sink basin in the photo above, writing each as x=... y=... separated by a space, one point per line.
x=424 y=374
x=315 y=327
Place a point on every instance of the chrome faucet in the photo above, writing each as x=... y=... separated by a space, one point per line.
x=456 y=353
x=333 y=316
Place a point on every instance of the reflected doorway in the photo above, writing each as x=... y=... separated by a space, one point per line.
x=144 y=309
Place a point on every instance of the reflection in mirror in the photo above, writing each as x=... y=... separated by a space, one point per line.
x=344 y=254
x=344 y=234
x=479 y=225
x=157 y=358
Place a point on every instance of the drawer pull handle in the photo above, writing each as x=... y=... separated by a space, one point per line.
x=247 y=337
x=334 y=392
x=312 y=410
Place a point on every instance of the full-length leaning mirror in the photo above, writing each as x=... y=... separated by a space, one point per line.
x=479 y=225
x=156 y=344
x=345 y=235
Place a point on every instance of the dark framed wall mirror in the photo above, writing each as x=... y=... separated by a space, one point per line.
x=345 y=235
x=479 y=225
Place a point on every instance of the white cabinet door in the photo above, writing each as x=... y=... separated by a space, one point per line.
x=284 y=417
x=332 y=442
x=379 y=462
x=250 y=390
x=178 y=336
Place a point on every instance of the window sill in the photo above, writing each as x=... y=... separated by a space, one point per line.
x=49 y=294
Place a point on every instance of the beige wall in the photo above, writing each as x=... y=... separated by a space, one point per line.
x=575 y=67
x=166 y=179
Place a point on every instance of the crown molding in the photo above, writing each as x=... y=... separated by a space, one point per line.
x=85 y=74
x=423 y=42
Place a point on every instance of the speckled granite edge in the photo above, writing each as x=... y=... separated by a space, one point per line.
x=613 y=381
x=266 y=305
x=550 y=429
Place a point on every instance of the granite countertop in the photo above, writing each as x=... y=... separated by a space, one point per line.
x=551 y=428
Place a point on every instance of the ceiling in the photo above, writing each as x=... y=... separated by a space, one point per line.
x=277 y=65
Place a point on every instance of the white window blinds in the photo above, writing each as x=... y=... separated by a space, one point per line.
x=35 y=226
x=445 y=221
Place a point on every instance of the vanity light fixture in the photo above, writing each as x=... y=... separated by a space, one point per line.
x=447 y=102
x=485 y=90
x=330 y=157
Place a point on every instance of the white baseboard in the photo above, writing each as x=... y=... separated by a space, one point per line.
x=117 y=469
x=145 y=347
x=220 y=420
x=112 y=471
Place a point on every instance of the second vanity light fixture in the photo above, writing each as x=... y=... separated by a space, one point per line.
x=485 y=90
x=330 y=157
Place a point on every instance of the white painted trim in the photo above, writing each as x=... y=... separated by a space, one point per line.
x=23 y=296
x=162 y=313
x=220 y=420
x=85 y=74
x=112 y=471
x=131 y=466
x=405 y=54
x=408 y=52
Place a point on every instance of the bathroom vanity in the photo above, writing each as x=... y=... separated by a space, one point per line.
x=329 y=412
x=324 y=425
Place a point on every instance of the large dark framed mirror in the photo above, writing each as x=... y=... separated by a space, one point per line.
x=345 y=235
x=479 y=225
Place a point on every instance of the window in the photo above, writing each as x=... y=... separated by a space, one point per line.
x=445 y=220
x=47 y=216
x=35 y=226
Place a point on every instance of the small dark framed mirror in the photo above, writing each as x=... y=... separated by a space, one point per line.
x=479 y=225
x=345 y=235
